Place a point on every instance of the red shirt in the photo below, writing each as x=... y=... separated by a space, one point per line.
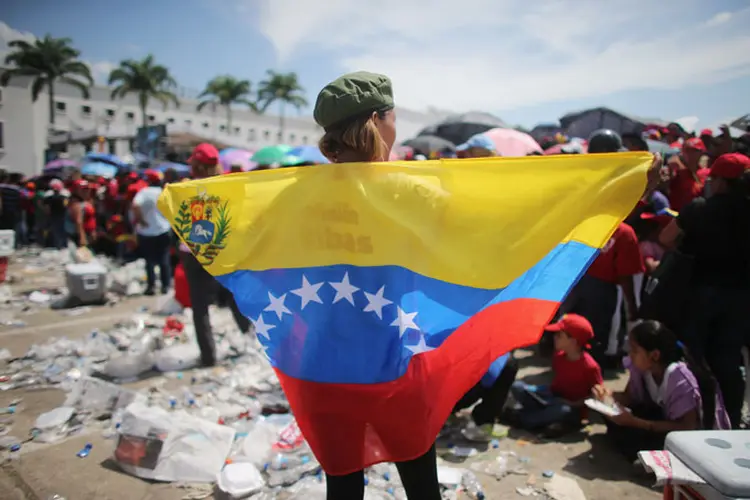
x=620 y=257
x=684 y=187
x=574 y=379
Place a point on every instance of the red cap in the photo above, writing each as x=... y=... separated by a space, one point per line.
x=694 y=143
x=56 y=185
x=80 y=184
x=730 y=166
x=205 y=153
x=152 y=175
x=132 y=176
x=576 y=326
x=30 y=186
x=707 y=131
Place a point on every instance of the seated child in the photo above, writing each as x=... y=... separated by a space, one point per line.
x=666 y=392
x=576 y=373
x=492 y=390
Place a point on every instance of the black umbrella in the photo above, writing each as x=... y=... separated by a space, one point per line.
x=458 y=128
x=428 y=144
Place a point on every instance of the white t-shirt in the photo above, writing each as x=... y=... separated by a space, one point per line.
x=146 y=201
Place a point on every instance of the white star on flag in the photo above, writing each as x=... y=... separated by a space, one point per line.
x=404 y=321
x=277 y=305
x=420 y=347
x=377 y=302
x=344 y=289
x=308 y=293
x=262 y=328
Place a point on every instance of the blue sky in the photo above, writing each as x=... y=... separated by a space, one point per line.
x=526 y=61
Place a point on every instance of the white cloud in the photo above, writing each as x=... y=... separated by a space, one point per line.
x=720 y=18
x=504 y=54
x=99 y=69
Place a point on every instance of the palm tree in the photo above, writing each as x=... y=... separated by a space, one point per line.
x=47 y=60
x=225 y=91
x=284 y=88
x=145 y=79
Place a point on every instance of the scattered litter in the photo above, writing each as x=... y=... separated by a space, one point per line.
x=563 y=488
x=5 y=354
x=548 y=473
x=85 y=451
x=526 y=491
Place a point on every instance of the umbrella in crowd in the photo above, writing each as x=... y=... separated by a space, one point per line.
x=459 y=128
x=180 y=168
x=428 y=145
x=99 y=169
x=305 y=154
x=271 y=155
x=236 y=157
x=108 y=158
x=660 y=147
x=510 y=142
x=402 y=153
x=135 y=159
x=61 y=163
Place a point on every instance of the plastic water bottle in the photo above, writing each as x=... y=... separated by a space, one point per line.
x=15 y=452
x=472 y=485
x=85 y=451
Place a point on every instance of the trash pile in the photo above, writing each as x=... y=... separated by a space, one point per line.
x=64 y=279
x=226 y=427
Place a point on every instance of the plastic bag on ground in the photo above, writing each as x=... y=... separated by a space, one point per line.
x=129 y=365
x=178 y=357
x=53 y=425
x=171 y=446
x=239 y=480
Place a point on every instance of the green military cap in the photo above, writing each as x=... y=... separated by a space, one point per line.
x=351 y=96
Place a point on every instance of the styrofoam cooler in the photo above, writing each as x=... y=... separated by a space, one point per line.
x=87 y=282
x=7 y=242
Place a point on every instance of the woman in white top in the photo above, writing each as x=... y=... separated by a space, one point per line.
x=153 y=232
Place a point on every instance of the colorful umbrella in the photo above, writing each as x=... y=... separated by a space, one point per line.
x=231 y=156
x=402 y=153
x=61 y=163
x=271 y=155
x=510 y=142
x=429 y=144
x=305 y=154
x=99 y=169
x=569 y=148
x=105 y=158
x=180 y=168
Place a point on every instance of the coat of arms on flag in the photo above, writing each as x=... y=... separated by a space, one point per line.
x=203 y=221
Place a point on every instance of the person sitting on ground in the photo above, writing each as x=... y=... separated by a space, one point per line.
x=557 y=408
x=492 y=390
x=667 y=391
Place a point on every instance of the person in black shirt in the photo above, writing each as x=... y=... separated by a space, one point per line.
x=56 y=205
x=716 y=232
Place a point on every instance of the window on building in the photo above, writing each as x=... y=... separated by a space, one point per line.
x=236 y=130
x=109 y=113
x=279 y=137
x=2 y=136
x=170 y=120
x=222 y=128
x=188 y=123
x=205 y=125
x=1 y=96
x=111 y=146
x=86 y=111
x=129 y=116
x=251 y=134
x=266 y=134
x=132 y=144
x=292 y=137
x=151 y=118
x=60 y=108
x=304 y=139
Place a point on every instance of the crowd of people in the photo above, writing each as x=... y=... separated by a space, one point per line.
x=669 y=290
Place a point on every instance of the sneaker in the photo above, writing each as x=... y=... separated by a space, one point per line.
x=150 y=292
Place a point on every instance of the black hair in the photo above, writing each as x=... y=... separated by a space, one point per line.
x=654 y=336
x=637 y=140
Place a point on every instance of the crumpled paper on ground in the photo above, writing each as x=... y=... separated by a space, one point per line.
x=667 y=468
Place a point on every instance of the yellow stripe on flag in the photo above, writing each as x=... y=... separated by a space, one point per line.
x=446 y=219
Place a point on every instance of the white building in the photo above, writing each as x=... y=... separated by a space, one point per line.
x=24 y=124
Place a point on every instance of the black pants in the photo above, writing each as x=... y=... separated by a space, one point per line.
x=204 y=290
x=155 y=251
x=493 y=398
x=419 y=477
x=715 y=325
x=595 y=300
x=630 y=440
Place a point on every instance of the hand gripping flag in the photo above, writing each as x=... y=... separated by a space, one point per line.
x=383 y=292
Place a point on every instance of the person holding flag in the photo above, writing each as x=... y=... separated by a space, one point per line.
x=382 y=293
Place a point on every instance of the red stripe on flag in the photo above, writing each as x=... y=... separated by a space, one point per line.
x=352 y=426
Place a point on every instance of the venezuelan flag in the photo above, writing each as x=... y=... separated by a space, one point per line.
x=383 y=292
